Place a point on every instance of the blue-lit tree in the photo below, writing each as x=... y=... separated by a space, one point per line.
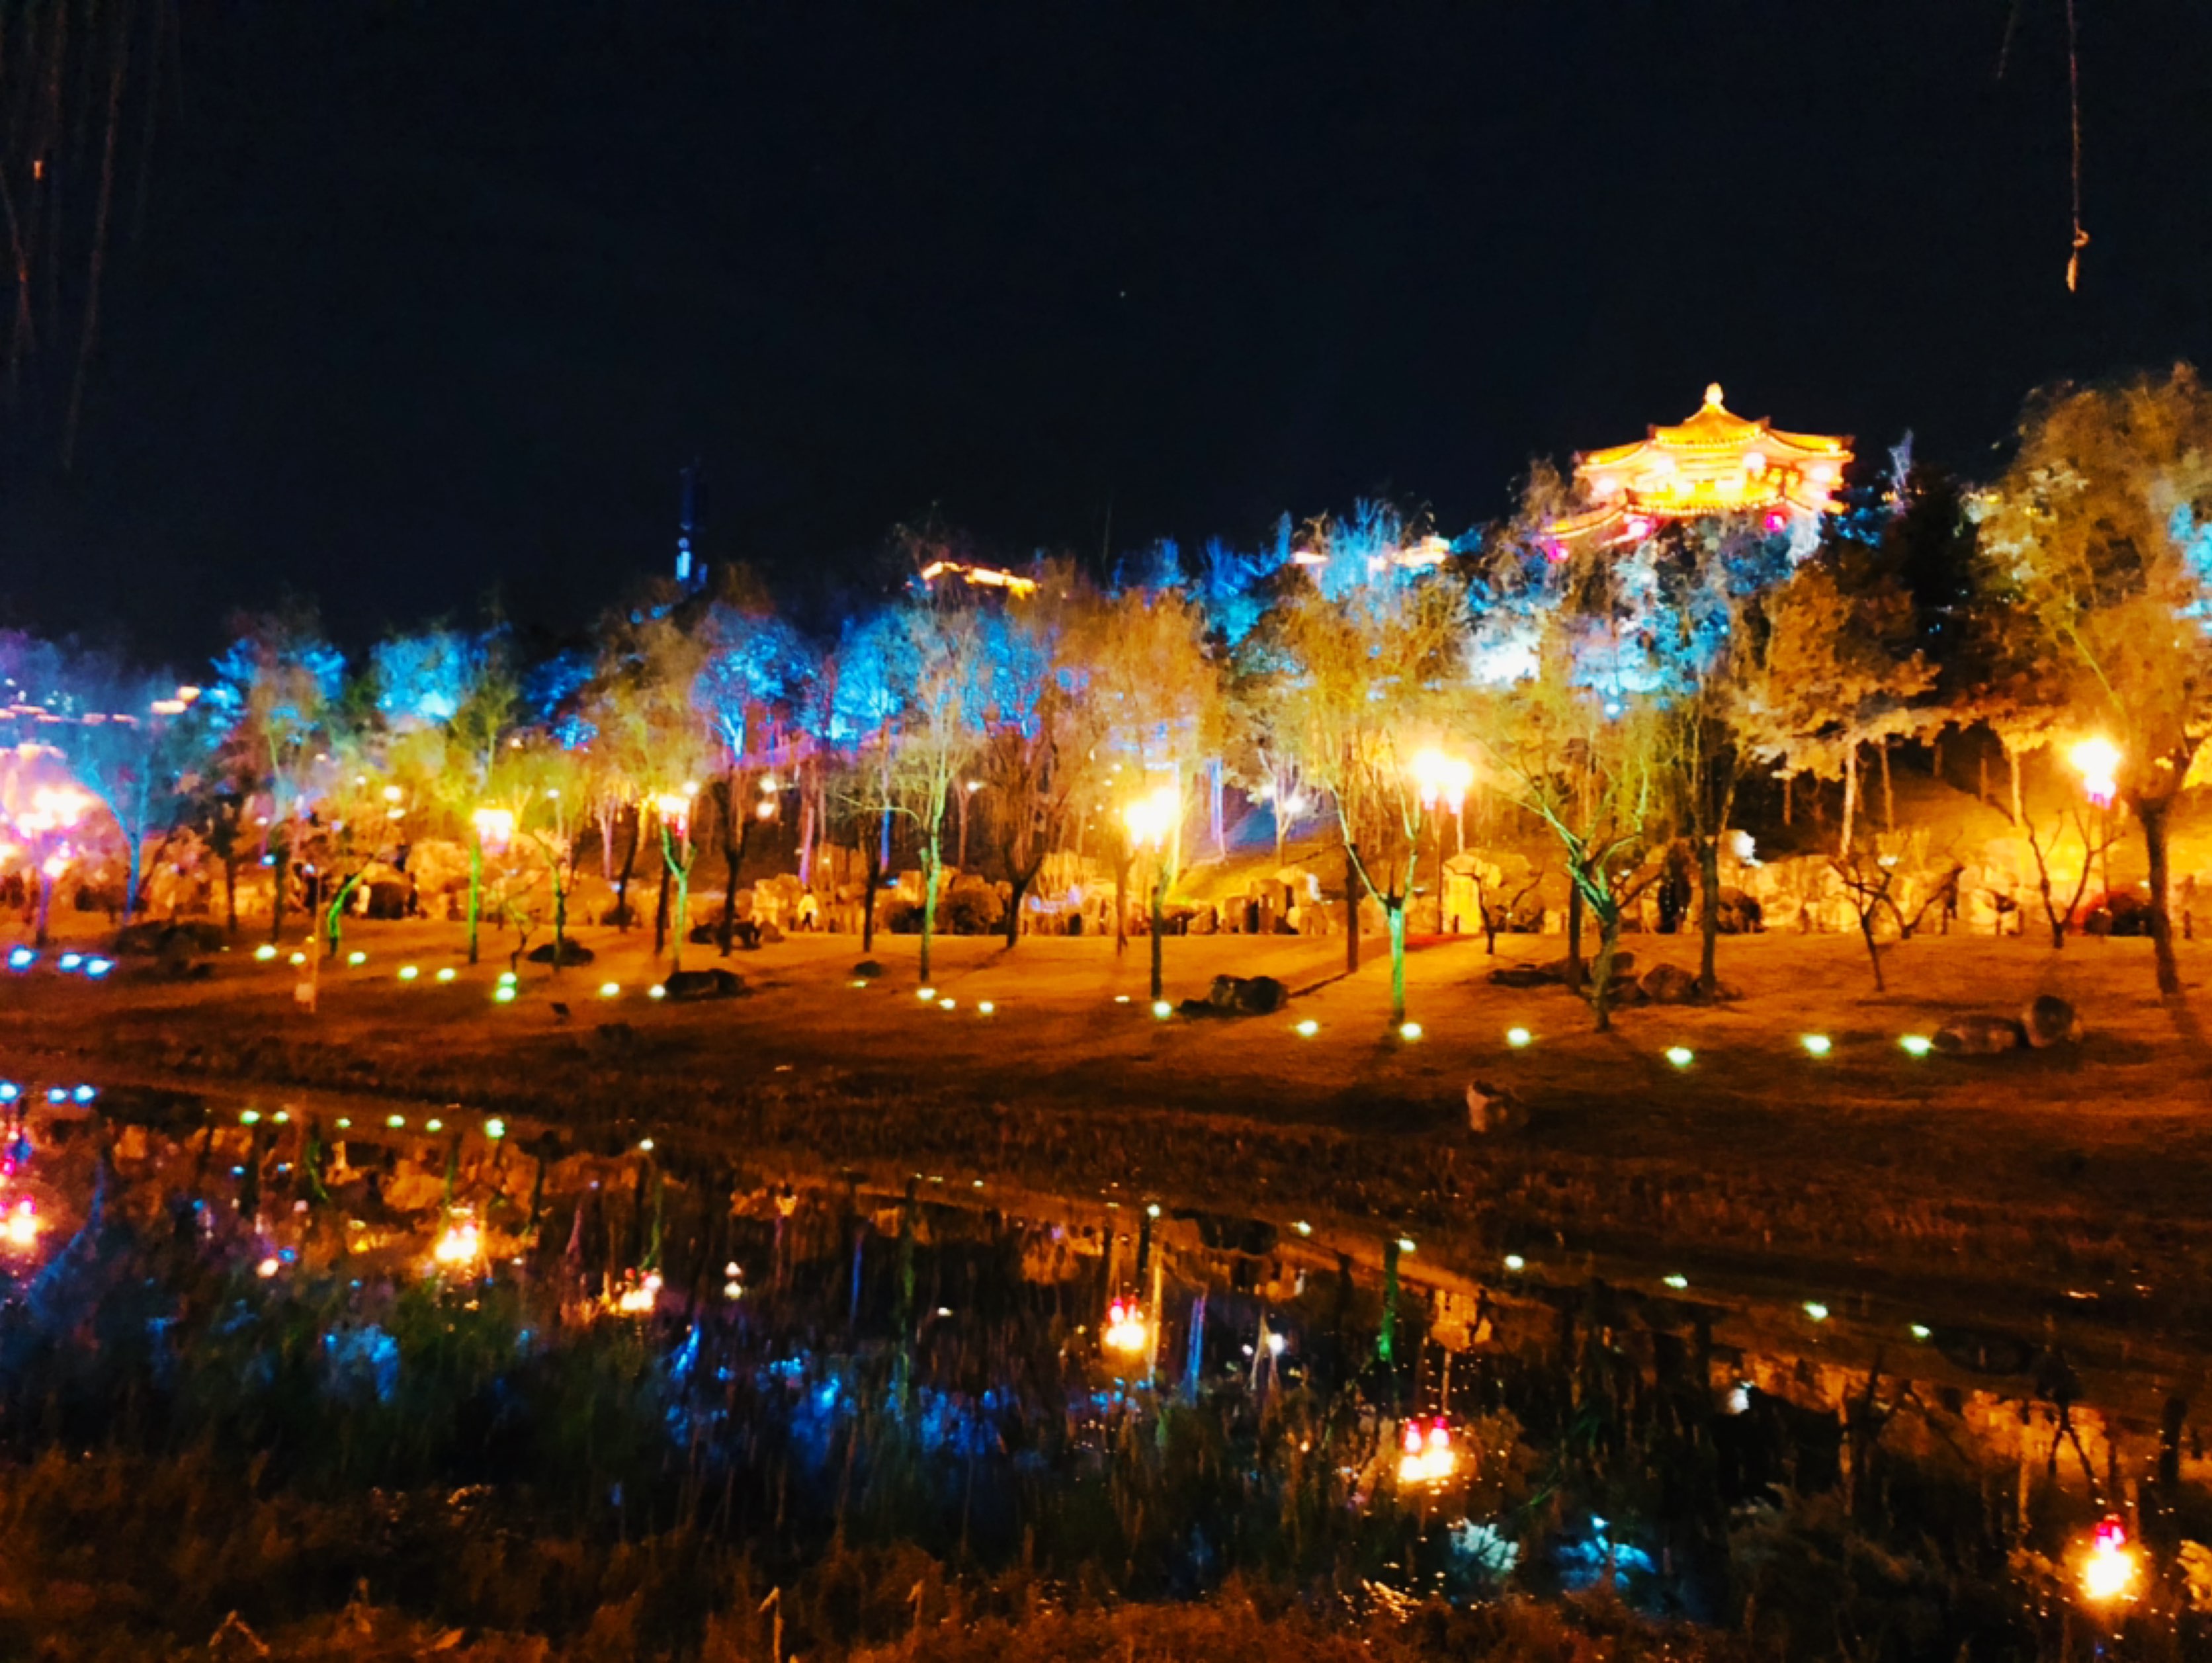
x=753 y=668
x=276 y=695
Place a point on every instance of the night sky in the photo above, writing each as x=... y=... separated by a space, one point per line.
x=435 y=298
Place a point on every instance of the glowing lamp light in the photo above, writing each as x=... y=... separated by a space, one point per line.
x=609 y=990
x=56 y=1094
x=23 y=958
x=646 y=1145
x=984 y=1007
x=448 y=974
x=656 y=991
x=85 y=1093
x=1677 y=1283
x=495 y=827
x=2110 y=1571
x=2098 y=762
x=68 y=960
x=434 y=1125
x=1680 y=1055
x=395 y=1121
x=1125 y=1328
x=1307 y=1029
x=640 y=1299
x=504 y=993
x=507 y=978
x=409 y=972
x=947 y=1004
x=299 y=959
x=1302 y=1228
x=1152 y=818
x=1817 y=1045
x=925 y=994
x=356 y=958
x=247 y=1117
x=495 y=1128
x=281 y=1117
x=98 y=968
x=460 y=1243
x=1816 y=1310
x=1426 y=1455
x=22 y=1229
x=10 y=1091
x=1411 y=1030
x=1517 y=1037
x=1921 y=1330
x=265 y=952
x=1916 y=1045
x=1442 y=779
x=1162 y=1009
x=268 y=1267
x=1515 y=1262
x=1775 y=521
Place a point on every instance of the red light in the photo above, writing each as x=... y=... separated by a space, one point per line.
x=1775 y=522
x=1413 y=1438
x=1440 y=1436
x=2111 y=1534
x=1555 y=552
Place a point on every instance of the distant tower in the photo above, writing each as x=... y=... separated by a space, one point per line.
x=691 y=570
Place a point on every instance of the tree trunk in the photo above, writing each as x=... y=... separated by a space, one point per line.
x=1120 y=896
x=660 y=907
x=1788 y=781
x=629 y=865
x=1873 y=950
x=1850 y=798
x=1019 y=886
x=475 y=890
x=1709 y=880
x=870 y=881
x=1217 y=821
x=2012 y=761
x=1160 y=900
x=960 y=802
x=2152 y=813
x=1574 y=934
x=1394 y=915
x=806 y=836
x=1888 y=796
x=1350 y=909
x=932 y=861
x=1609 y=944
x=284 y=870
x=230 y=890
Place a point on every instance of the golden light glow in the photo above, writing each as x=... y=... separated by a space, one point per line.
x=1426 y=1455
x=977 y=577
x=1126 y=1330
x=1715 y=463
x=2098 y=762
x=1442 y=779
x=22 y=1228
x=2111 y=1569
x=1153 y=818
x=460 y=1243
x=495 y=827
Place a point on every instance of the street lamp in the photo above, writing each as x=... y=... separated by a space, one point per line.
x=1442 y=780
x=2098 y=762
x=1152 y=819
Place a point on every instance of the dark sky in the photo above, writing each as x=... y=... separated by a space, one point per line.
x=437 y=297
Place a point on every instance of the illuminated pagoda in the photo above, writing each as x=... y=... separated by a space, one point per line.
x=1715 y=463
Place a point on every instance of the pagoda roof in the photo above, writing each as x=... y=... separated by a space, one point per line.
x=1714 y=430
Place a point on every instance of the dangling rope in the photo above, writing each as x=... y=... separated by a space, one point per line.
x=2074 y=102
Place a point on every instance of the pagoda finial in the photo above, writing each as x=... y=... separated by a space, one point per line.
x=1712 y=395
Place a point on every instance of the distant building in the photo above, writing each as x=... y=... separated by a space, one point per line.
x=976 y=577
x=1715 y=463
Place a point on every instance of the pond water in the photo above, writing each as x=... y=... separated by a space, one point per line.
x=1104 y=1389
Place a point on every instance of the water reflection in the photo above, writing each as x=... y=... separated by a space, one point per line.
x=1109 y=1389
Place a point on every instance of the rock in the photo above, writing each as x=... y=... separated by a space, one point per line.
x=1978 y=1036
x=867 y=969
x=1521 y=975
x=1248 y=996
x=160 y=937
x=690 y=986
x=1668 y=984
x=2051 y=1021
x=1494 y=1108
x=569 y=952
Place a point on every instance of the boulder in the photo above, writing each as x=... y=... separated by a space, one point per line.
x=2051 y=1021
x=1978 y=1036
x=158 y=938
x=1521 y=975
x=1494 y=1108
x=567 y=952
x=690 y=986
x=1668 y=984
x=1248 y=996
x=867 y=969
